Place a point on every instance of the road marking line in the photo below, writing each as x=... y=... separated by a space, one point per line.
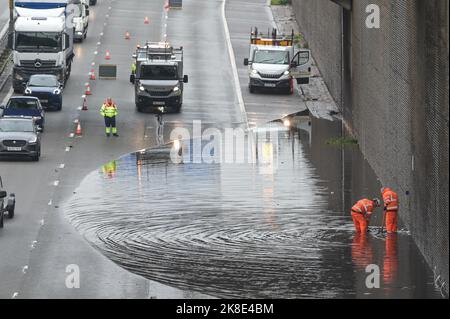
x=71 y=135
x=67 y=149
x=24 y=269
x=237 y=84
x=15 y=295
x=42 y=222
x=50 y=203
x=33 y=244
x=56 y=183
x=62 y=166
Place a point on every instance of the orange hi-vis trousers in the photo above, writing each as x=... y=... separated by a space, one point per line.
x=391 y=221
x=360 y=222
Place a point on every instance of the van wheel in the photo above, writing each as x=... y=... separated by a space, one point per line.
x=11 y=211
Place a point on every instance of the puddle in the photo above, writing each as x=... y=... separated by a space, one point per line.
x=275 y=227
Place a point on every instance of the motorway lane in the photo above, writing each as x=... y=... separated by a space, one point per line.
x=33 y=182
x=58 y=245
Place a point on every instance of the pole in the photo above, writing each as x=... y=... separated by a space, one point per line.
x=11 y=15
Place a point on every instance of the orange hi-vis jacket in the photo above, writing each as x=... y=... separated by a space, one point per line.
x=364 y=206
x=390 y=199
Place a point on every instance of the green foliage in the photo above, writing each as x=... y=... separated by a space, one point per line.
x=280 y=2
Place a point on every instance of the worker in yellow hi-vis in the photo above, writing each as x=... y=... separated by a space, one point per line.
x=109 y=112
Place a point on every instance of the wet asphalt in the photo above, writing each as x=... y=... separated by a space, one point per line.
x=246 y=231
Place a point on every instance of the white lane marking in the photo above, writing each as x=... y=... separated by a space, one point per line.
x=50 y=203
x=56 y=183
x=33 y=244
x=61 y=166
x=42 y=222
x=237 y=84
x=76 y=121
x=67 y=149
x=15 y=295
x=24 y=269
x=8 y=95
x=79 y=108
x=70 y=135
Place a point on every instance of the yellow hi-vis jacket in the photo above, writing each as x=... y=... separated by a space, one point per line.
x=108 y=110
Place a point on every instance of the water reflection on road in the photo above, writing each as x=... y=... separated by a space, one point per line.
x=276 y=228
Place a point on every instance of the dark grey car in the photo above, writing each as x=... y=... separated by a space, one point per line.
x=19 y=137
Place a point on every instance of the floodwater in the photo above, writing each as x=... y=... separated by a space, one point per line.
x=276 y=226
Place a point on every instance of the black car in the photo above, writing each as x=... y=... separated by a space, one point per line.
x=47 y=89
x=25 y=106
x=19 y=137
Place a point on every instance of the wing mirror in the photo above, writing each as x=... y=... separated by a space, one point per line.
x=294 y=64
x=134 y=56
x=185 y=79
x=3 y=194
x=246 y=62
x=87 y=12
x=2 y=107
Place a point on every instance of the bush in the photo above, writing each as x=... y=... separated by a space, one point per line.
x=280 y=2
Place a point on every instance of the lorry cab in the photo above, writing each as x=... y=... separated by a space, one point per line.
x=273 y=64
x=41 y=41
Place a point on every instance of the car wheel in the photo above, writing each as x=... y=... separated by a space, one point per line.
x=11 y=211
x=1 y=219
x=251 y=88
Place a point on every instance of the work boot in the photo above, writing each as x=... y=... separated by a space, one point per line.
x=116 y=135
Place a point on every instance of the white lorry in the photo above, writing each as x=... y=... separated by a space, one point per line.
x=42 y=40
x=273 y=63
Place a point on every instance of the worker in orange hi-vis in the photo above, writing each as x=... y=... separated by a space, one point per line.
x=361 y=213
x=390 y=200
x=390 y=262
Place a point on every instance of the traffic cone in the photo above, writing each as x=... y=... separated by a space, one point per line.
x=78 y=130
x=88 y=89
x=127 y=35
x=85 y=107
x=92 y=75
x=108 y=55
x=146 y=20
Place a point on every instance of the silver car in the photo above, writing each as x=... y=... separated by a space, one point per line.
x=20 y=137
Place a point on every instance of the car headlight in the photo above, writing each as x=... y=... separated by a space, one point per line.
x=286 y=73
x=28 y=91
x=142 y=88
x=37 y=118
x=19 y=77
x=57 y=91
x=254 y=72
x=32 y=140
x=176 y=89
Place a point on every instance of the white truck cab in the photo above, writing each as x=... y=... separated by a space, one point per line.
x=273 y=64
x=81 y=20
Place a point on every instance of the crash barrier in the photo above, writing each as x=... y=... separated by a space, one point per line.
x=5 y=56
x=107 y=71
x=174 y=4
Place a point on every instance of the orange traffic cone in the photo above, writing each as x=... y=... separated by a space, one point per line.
x=146 y=20
x=85 y=107
x=127 y=35
x=108 y=55
x=78 y=131
x=88 y=89
x=92 y=74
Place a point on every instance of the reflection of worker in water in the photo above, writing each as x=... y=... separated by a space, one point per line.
x=362 y=252
x=110 y=169
x=390 y=199
x=390 y=263
x=361 y=213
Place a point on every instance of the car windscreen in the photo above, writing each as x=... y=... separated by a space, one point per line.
x=47 y=81
x=159 y=72
x=16 y=126
x=22 y=104
x=38 y=41
x=271 y=57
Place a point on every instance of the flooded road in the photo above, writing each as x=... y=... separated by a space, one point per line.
x=275 y=227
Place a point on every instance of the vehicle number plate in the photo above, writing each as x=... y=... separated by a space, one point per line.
x=44 y=101
x=14 y=149
x=159 y=103
x=270 y=85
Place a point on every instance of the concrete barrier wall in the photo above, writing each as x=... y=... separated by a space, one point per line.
x=392 y=87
